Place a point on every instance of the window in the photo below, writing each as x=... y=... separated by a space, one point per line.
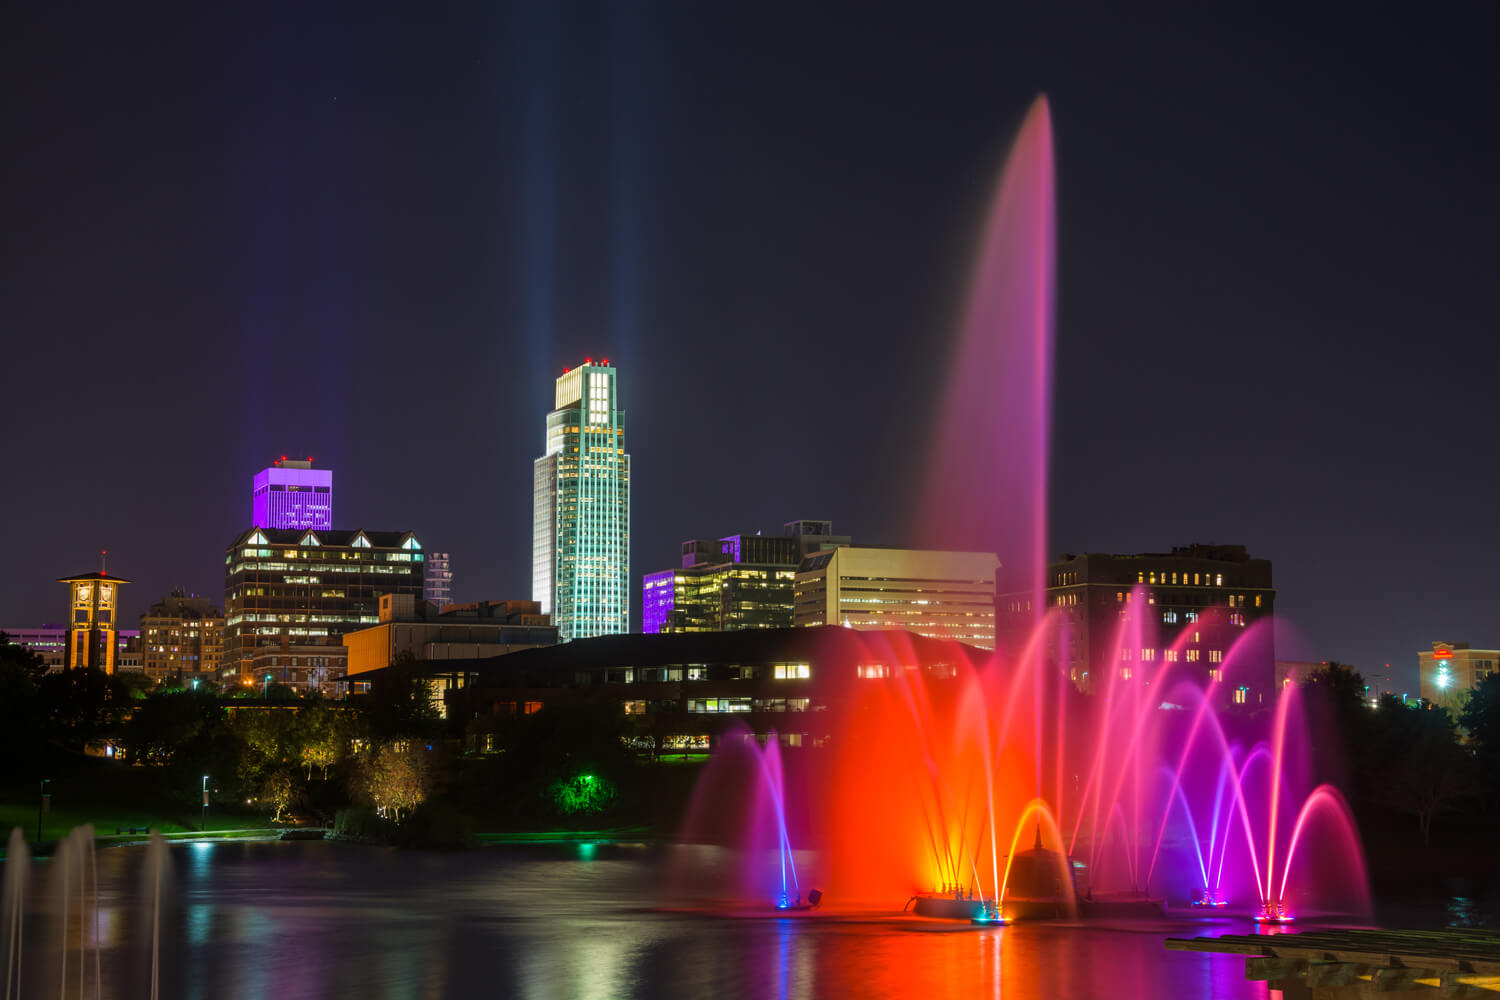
x=1240 y=695
x=1218 y=579
x=1257 y=600
x=872 y=670
x=1192 y=656
x=1215 y=656
x=792 y=671
x=1171 y=656
x=1147 y=655
x=1124 y=673
x=1119 y=597
x=1215 y=674
x=1169 y=618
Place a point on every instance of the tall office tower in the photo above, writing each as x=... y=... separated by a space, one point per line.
x=438 y=587
x=580 y=548
x=292 y=494
x=94 y=623
x=290 y=596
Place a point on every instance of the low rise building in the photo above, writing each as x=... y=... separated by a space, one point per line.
x=1141 y=614
x=724 y=585
x=1451 y=669
x=940 y=595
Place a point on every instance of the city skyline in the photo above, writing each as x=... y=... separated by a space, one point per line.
x=1278 y=361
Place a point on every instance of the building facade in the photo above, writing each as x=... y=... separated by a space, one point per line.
x=724 y=584
x=581 y=508
x=1451 y=669
x=1137 y=614
x=50 y=642
x=940 y=595
x=439 y=586
x=182 y=637
x=93 y=625
x=291 y=596
x=292 y=494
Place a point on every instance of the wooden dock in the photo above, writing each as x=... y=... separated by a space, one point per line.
x=1348 y=964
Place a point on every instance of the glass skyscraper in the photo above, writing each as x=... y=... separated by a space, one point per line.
x=580 y=550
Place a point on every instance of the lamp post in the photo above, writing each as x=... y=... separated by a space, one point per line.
x=41 y=806
x=265 y=693
x=203 y=825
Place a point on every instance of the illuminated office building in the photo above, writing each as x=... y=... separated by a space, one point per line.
x=941 y=595
x=724 y=584
x=1191 y=606
x=182 y=637
x=292 y=494
x=291 y=596
x=1450 y=670
x=93 y=626
x=439 y=586
x=580 y=555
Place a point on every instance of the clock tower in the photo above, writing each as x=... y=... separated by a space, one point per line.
x=93 y=623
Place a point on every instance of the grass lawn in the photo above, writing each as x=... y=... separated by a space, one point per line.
x=109 y=795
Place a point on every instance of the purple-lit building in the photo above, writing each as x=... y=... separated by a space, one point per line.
x=292 y=494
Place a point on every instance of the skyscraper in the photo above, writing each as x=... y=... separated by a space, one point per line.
x=438 y=587
x=292 y=494
x=580 y=549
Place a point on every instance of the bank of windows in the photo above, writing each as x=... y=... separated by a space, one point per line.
x=1181 y=579
x=870 y=670
x=1192 y=656
x=718 y=705
x=1241 y=695
x=1215 y=656
x=1215 y=674
x=791 y=671
x=1062 y=601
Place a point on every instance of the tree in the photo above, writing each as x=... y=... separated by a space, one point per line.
x=20 y=725
x=322 y=735
x=1428 y=771
x=1481 y=720
x=278 y=791
x=400 y=703
x=396 y=778
x=81 y=705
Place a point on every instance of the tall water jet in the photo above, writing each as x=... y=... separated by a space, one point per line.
x=155 y=877
x=12 y=910
x=986 y=487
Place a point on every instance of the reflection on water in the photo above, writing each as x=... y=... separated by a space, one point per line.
x=285 y=921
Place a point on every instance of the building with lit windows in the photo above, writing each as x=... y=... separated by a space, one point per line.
x=290 y=596
x=292 y=494
x=93 y=626
x=182 y=637
x=439 y=585
x=724 y=584
x=1139 y=614
x=50 y=642
x=1451 y=669
x=940 y=595
x=580 y=554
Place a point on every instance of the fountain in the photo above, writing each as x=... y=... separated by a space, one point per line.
x=64 y=914
x=753 y=824
x=942 y=773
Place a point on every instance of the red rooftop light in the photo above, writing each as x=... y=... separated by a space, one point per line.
x=588 y=361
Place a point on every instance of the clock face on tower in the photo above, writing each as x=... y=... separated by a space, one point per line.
x=83 y=593
x=106 y=591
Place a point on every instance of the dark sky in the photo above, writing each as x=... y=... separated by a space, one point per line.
x=375 y=236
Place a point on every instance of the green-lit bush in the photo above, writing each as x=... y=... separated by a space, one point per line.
x=582 y=794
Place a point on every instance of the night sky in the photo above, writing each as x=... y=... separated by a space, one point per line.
x=375 y=237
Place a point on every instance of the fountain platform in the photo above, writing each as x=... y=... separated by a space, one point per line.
x=1122 y=906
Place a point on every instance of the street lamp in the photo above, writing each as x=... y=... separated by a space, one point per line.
x=41 y=805
x=265 y=693
x=203 y=825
